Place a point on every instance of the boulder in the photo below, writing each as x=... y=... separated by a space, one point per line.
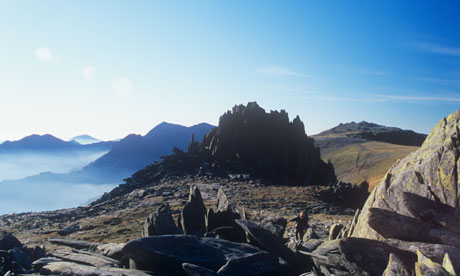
x=193 y=214
x=430 y=172
x=111 y=250
x=77 y=244
x=8 y=241
x=165 y=254
x=70 y=269
x=426 y=267
x=254 y=265
x=396 y=267
x=372 y=256
x=85 y=258
x=195 y=270
x=392 y=225
x=160 y=223
x=275 y=225
x=335 y=231
x=269 y=242
x=222 y=201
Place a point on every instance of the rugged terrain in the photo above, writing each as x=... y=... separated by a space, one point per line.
x=236 y=223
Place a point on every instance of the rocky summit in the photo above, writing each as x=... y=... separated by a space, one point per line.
x=268 y=144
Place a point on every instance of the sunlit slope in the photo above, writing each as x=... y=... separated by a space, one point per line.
x=366 y=161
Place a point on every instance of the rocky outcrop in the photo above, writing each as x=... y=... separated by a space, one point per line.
x=267 y=145
x=160 y=223
x=418 y=200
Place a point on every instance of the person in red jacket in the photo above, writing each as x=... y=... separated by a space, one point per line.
x=301 y=225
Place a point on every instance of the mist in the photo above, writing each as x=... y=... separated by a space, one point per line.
x=19 y=165
x=18 y=197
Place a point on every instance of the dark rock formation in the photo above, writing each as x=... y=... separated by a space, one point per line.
x=248 y=144
x=8 y=241
x=193 y=215
x=167 y=253
x=160 y=223
x=267 y=145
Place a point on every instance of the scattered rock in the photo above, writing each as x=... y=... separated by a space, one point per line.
x=160 y=223
x=335 y=231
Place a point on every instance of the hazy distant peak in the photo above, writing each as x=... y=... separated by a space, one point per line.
x=85 y=139
x=166 y=128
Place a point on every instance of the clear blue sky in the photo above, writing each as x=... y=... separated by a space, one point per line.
x=109 y=68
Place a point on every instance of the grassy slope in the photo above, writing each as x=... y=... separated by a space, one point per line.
x=366 y=161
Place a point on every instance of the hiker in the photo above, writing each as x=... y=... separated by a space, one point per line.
x=301 y=225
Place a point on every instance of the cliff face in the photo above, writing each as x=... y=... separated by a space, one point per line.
x=423 y=186
x=268 y=145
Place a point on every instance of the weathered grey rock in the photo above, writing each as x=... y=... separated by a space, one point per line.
x=426 y=267
x=275 y=225
x=430 y=172
x=86 y=258
x=448 y=265
x=396 y=267
x=70 y=269
x=193 y=214
x=335 y=231
x=371 y=255
x=311 y=245
x=8 y=241
x=195 y=270
x=435 y=252
x=111 y=250
x=222 y=201
x=38 y=264
x=167 y=253
x=432 y=211
x=160 y=223
x=77 y=244
x=267 y=241
x=257 y=264
x=392 y=225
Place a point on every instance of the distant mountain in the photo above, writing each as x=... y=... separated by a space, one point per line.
x=50 y=144
x=375 y=132
x=85 y=139
x=134 y=152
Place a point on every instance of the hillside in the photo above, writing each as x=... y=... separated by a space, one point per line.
x=365 y=151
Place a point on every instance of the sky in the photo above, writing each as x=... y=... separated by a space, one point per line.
x=110 y=68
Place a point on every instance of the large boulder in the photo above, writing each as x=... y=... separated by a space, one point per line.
x=167 y=253
x=417 y=203
x=430 y=172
